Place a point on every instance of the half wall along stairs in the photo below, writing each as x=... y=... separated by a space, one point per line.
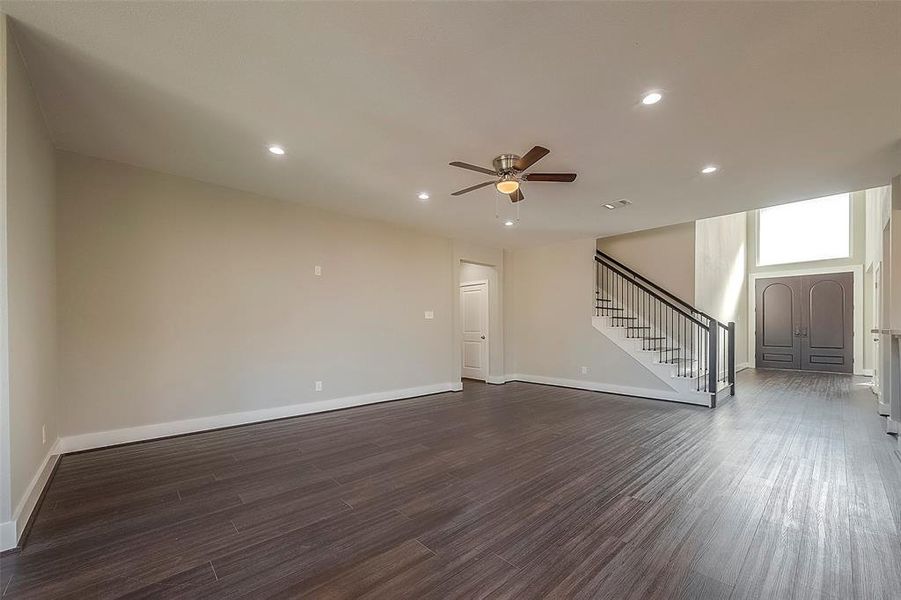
x=687 y=350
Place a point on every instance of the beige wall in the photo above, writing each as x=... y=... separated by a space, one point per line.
x=31 y=279
x=665 y=255
x=703 y=263
x=894 y=291
x=549 y=302
x=878 y=210
x=182 y=300
x=7 y=532
x=721 y=281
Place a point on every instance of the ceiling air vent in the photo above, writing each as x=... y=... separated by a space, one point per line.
x=618 y=204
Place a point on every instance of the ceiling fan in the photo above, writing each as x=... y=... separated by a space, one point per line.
x=508 y=173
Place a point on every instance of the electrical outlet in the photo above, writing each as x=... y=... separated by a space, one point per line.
x=44 y=434
x=317 y=271
x=584 y=370
x=318 y=386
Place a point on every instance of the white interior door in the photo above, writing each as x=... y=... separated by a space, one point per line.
x=474 y=313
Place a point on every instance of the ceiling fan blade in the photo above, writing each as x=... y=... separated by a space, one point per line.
x=471 y=188
x=550 y=177
x=531 y=157
x=464 y=165
x=516 y=196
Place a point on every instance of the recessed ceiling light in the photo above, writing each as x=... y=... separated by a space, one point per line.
x=609 y=206
x=508 y=223
x=652 y=98
x=709 y=169
x=276 y=150
x=423 y=196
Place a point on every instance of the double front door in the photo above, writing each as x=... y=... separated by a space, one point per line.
x=805 y=322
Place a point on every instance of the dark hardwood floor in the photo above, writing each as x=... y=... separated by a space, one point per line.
x=789 y=490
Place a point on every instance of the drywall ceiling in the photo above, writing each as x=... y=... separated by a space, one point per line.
x=372 y=100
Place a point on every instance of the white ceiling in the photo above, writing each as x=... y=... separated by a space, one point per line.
x=372 y=100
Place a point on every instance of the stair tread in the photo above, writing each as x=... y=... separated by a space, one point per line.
x=654 y=338
x=637 y=327
x=609 y=308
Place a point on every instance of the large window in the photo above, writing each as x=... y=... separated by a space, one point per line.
x=817 y=229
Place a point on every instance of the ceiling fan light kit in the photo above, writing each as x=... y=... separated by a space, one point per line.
x=504 y=211
x=509 y=173
x=507 y=185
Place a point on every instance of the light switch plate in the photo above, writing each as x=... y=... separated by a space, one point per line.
x=318 y=386
x=317 y=271
x=429 y=314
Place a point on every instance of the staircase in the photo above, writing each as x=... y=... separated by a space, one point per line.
x=689 y=351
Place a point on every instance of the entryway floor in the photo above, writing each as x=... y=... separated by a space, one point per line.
x=788 y=490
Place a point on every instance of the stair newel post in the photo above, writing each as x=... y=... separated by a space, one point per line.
x=731 y=359
x=696 y=339
x=713 y=335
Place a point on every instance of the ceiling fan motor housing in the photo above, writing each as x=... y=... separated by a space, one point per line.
x=505 y=163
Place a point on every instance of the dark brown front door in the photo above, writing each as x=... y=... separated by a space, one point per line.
x=805 y=322
x=778 y=323
x=827 y=323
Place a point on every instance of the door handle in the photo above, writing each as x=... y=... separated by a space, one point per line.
x=483 y=337
x=797 y=332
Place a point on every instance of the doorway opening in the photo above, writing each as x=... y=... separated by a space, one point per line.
x=477 y=293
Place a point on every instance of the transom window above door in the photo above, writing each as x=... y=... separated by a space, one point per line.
x=818 y=229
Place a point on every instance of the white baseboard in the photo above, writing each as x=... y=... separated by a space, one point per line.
x=456 y=386
x=595 y=386
x=11 y=531
x=99 y=439
x=495 y=379
x=742 y=366
x=866 y=372
x=7 y=535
